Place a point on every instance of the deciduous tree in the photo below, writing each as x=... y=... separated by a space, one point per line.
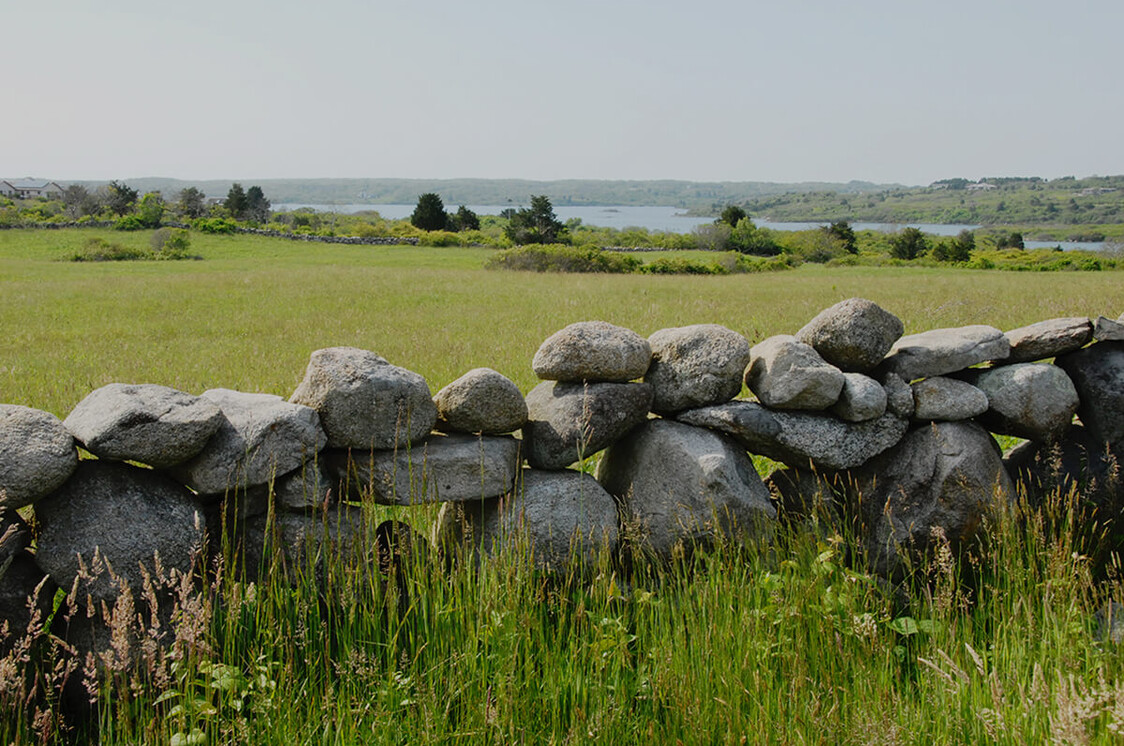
x=192 y=203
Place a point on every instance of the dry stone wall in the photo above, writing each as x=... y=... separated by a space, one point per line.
x=890 y=433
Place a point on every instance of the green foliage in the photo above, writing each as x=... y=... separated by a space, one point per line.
x=732 y=215
x=129 y=223
x=170 y=243
x=958 y=249
x=120 y=198
x=429 y=213
x=682 y=266
x=439 y=238
x=257 y=206
x=1012 y=240
x=464 y=220
x=845 y=234
x=747 y=238
x=236 y=202
x=214 y=225
x=536 y=224
x=150 y=211
x=561 y=258
x=191 y=203
x=908 y=244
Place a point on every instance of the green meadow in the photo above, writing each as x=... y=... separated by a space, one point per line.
x=792 y=642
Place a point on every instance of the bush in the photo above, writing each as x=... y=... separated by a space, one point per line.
x=681 y=266
x=100 y=250
x=214 y=225
x=128 y=223
x=439 y=238
x=559 y=258
x=170 y=243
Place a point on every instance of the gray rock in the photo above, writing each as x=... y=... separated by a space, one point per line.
x=695 y=366
x=941 y=351
x=899 y=395
x=15 y=535
x=311 y=487
x=1097 y=373
x=941 y=480
x=1026 y=400
x=800 y=439
x=23 y=586
x=480 y=401
x=364 y=401
x=336 y=543
x=786 y=374
x=811 y=500
x=154 y=425
x=861 y=399
x=565 y=519
x=568 y=422
x=679 y=486
x=1107 y=330
x=853 y=335
x=947 y=399
x=120 y=515
x=592 y=351
x=1108 y=623
x=444 y=468
x=1075 y=464
x=1048 y=339
x=37 y=454
x=261 y=437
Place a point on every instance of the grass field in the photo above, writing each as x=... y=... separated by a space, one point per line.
x=788 y=643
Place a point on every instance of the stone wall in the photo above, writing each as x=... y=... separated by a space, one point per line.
x=891 y=434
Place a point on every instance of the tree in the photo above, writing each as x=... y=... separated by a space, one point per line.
x=192 y=203
x=958 y=249
x=732 y=215
x=843 y=231
x=464 y=220
x=1013 y=240
x=536 y=224
x=236 y=201
x=150 y=211
x=908 y=244
x=121 y=198
x=257 y=206
x=78 y=201
x=747 y=238
x=429 y=213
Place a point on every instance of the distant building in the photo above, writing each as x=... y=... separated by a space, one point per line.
x=981 y=187
x=29 y=188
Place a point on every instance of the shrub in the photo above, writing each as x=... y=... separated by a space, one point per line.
x=558 y=258
x=681 y=266
x=439 y=238
x=128 y=223
x=170 y=243
x=100 y=250
x=214 y=225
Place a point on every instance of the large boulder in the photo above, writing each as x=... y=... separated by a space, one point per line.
x=23 y=587
x=565 y=519
x=940 y=351
x=480 y=401
x=37 y=454
x=679 y=485
x=568 y=422
x=1097 y=373
x=260 y=438
x=861 y=399
x=443 y=468
x=786 y=374
x=364 y=401
x=336 y=543
x=1107 y=330
x=118 y=516
x=800 y=439
x=899 y=395
x=1075 y=464
x=15 y=534
x=592 y=351
x=853 y=335
x=1027 y=400
x=695 y=366
x=1048 y=339
x=947 y=399
x=154 y=425
x=939 y=483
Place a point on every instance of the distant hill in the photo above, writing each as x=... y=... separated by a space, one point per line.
x=685 y=194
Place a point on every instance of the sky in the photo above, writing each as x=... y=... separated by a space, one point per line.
x=890 y=91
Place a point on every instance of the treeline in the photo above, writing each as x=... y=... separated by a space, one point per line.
x=997 y=201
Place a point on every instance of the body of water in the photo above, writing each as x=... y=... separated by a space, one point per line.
x=673 y=220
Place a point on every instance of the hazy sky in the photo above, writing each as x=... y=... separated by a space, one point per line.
x=723 y=90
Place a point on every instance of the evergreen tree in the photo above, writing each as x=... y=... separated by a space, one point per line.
x=465 y=220
x=732 y=215
x=257 y=206
x=121 y=198
x=192 y=203
x=236 y=201
x=909 y=244
x=536 y=224
x=843 y=231
x=429 y=213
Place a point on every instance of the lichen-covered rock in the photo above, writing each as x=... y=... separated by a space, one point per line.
x=565 y=519
x=154 y=425
x=480 y=401
x=853 y=335
x=443 y=468
x=695 y=366
x=786 y=374
x=862 y=398
x=568 y=422
x=1097 y=373
x=592 y=351
x=15 y=535
x=947 y=399
x=940 y=351
x=260 y=438
x=291 y=546
x=899 y=396
x=938 y=484
x=1048 y=339
x=1075 y=463
x=364 y=401
x=37 y=454
x=1107 y=330
x=125 y=515
x=800 y=439
x=1026 y=400
x=678 y=486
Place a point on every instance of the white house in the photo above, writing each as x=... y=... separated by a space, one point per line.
x=28 y=188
